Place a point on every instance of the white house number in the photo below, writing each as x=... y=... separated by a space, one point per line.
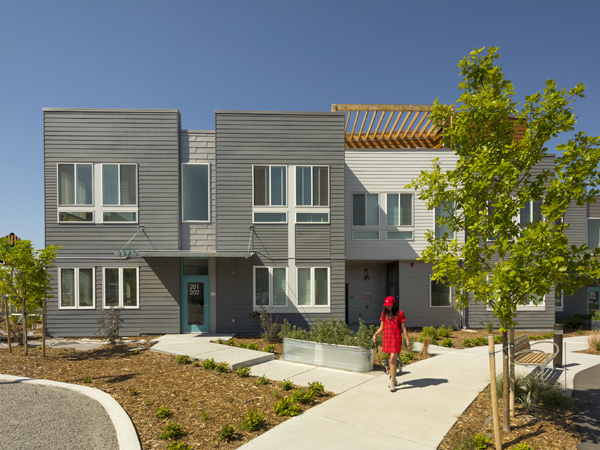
x=194 y=289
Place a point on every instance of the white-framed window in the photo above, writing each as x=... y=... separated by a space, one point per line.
x=559 y=298
x=312 y=186
x=399 y=214
x=76 y=288
x=443 y=210
x=532 y=303
x=75 y=184
x=531 y=212
x=365 y=213
x=593 y=232
x=119 y=193
x=269 y=194
x=121 y=287
x=270 y=286
x=195 y=192
x=440 y=294
x=313 y=286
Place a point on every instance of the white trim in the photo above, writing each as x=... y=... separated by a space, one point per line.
x=120 y=305
x=313 y=287
x=209 y=192
x=270 y=269
x=450 y=295
x=312 y=186
x=562 y=300
x=76 y=288
x=74 y=164
x=540 y=307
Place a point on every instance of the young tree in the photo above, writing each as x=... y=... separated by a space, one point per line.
x=503 y=195
x=24 y=277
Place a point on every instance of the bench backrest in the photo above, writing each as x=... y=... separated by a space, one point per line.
x=522 y=343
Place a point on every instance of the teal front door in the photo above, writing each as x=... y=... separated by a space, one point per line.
x=593 y=293
x=195 y=304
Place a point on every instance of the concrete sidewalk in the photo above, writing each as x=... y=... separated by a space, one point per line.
x=432 y=394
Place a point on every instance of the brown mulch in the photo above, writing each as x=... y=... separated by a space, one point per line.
x=203 y=400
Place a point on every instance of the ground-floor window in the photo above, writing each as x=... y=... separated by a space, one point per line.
x=440 y=294
x=270 y=286
x=76 y=288
x=121 y=287
x=313 y=286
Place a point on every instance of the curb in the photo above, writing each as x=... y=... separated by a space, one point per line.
x=126 y=434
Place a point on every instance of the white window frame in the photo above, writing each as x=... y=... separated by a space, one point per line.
x=562 y=299
x=313 y=287
x=256 y=307
x=532 y=307
x=209 y=190
x=402 y=228
x=451 y=235
x=367 y=228
x=75 y=208
x=271 y=208
x=430 y=293
x=312 y=186
x=118 y=208
x=76 y=288
x=121 y=305
x=587 y=231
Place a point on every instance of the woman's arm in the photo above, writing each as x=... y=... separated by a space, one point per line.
x=405 y=333
x=378 y=332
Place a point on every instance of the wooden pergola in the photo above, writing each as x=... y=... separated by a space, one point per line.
x=390 y=126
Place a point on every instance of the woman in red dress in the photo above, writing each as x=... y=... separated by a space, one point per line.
x=392 y=326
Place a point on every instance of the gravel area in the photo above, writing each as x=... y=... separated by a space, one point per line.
x=52 y=418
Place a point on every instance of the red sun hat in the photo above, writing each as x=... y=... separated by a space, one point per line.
x=389 y=301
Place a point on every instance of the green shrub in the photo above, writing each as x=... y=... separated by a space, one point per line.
x=252 y=346
x=87 y=380
x=230 y=341
x=286 y=385
x=316 y=388
x=429 y=332
x=407 y=357
x=196 y=364
x=444 y=332
x=227 y=433
x=596 y=315
x=149 y=402
x=521 y=446
x=548 y=392
x=242 y=345
x=253 y=421
x=182 y=359
x=162 y=413
x=269 y=325
x=222 y=367
x=209 y=364
x=136 y=351
x=204 y=415
x=110 y=324
x=497 y=340
x=243 y=372
x=133 y=392
x=476 y=342
x=472 y=441
x=548 y=335
x=285 y=407
x=489 y=326
x=303 y=396
x=262 y=380
x=270 y=348
x=179 y=445
x=446 y=342
x=467 y=343
x=219 y=341
x=172 y=432
x=534 y=337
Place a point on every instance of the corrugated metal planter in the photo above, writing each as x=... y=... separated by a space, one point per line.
x=347 y=357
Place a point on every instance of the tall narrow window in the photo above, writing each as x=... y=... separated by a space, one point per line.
x=270 y=186
x=119 y=184
x=593 y=233
x=440 y=294
x=195 y=192
x=75 y=185
x=530 y=213
x=312 y=186
x=443 y=211
x=399 y=209
x=121 y=287
x=77 y=288
x=270 y=286
x=365 y=209
x=313 y=286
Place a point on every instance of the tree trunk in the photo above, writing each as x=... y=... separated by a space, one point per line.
x=494 y=392
x=24 y=319
x=506 y=384
x=511 y=354
x=7 y=325
x=44 y=329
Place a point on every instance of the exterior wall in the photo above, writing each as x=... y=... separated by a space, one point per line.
x=149 y=138
x=388 y=171
x=199 y=147
x=244 y=139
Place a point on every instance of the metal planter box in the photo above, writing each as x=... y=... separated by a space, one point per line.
x=346 y=357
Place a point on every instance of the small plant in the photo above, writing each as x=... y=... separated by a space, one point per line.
x=467 y=343
x=262 y=380
x=521 y=446
x=133 y=392
x=497 y=339
x=87 y=380
x=136 y=351
x=110 y=325
x=444 y=332
x=162 y=413
x=149 y=402
x=270 y=348
x=303 y=396
x=253 y=421
x=431 y=333
x=446 y=342
x=316 y=388
x=204 y=415
x=287 y=385
x=230 y=341
x=209 y=364
x=220 y=341
x=243 y=372
x=489 y=327
x=548 y=335
x=472 y=441
x=182 y=359
x=276 y=393
x=172 y=432
x=596 y=315
x=285 y=407
x=227 y=433
x=242 y=345
x=178 y=445
x=594 y=342
x=528 y=401
x=252 y=346
x=196 y=364
x=222 y=367
x=269 y=325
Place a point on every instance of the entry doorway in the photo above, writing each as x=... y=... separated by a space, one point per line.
x=195 y=304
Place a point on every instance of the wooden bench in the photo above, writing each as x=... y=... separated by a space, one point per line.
x=526 y=356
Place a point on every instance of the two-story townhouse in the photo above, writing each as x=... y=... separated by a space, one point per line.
x=193 y=230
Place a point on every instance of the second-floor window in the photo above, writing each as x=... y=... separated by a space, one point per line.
x=270 y=185
x=531 y=212
x=75 y=193
x=441 y=229
x=195 y=192
x=365 y=213
x=312 y=186
x=593 y=233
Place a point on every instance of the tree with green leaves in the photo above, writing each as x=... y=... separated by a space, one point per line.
x=24 y=277
x=506 y=196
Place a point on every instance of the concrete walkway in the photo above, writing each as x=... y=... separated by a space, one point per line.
x=432 y=394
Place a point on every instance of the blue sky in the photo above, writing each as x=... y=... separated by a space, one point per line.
x=202 y=56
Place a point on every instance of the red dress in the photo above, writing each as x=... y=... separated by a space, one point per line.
x=392 y=332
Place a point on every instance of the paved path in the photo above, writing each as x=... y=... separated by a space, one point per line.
x=586 y=393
